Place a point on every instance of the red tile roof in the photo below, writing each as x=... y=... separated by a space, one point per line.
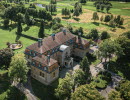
x=49 y=43
x=43 y=60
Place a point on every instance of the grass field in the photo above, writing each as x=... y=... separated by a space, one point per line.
x=84 y=21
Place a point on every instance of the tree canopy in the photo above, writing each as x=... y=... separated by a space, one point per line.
x=86 y=92
x=18 y=68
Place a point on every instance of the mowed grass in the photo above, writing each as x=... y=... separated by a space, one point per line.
x=6 y=36
x=118 y=8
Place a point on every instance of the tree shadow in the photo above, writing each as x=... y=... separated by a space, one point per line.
x=122 y=27
x=77 y=19
x=17 y=37
x=26 y=28
x=91 y=58
x=65 y=17
x=96 y=23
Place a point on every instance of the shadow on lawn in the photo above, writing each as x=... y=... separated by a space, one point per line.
x=42 y=91
x=96 y=23
x=65 y=17
x=77 y=19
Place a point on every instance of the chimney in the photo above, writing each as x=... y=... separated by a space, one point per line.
x=64 y=31
x=48 y=59
x=39 y=42
x=53 y=36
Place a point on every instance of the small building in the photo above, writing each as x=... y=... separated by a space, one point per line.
x=49 y=54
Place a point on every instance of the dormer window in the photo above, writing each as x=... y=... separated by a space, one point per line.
x=45 y=68
x=33 y=63
x=40 y=65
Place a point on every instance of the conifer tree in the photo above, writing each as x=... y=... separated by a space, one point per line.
x=41 y=30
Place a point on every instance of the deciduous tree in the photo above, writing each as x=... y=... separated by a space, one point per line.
x=18 y=68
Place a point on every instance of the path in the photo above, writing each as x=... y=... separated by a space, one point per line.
x=115 y=78
x=26 y=89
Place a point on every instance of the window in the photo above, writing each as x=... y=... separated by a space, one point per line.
x=54 y=74
x=42 y=74
x=45 y=68
x=40 y=65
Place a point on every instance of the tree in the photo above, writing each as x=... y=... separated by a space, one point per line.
x=108 y=48
x=102 y=7
x=18 y=68
x=79 y=77
x=124 y=89
x=6 y=23
x=125 y=44
x=98 y=7
x=86 y=92
x=107 y=18
x=5 y=56
x=114 y=95
x=95 y=16
x=64 y=88
x=27 y=18
x=84 y=64
x=104 y=35
x=94 y=34
x=83 y=1
x=41 y=30
x=101 y=18
x=19 y=28
x=76 y=12
x=65 y=12
x=108 y=8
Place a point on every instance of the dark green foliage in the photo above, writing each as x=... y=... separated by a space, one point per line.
x=94 y=34
x=53 y=2
x=76 y=12
x=32 y=6
x=79 y=77
x=6 y=23
x=107 y=18
x=101 y=18
x=98 y=7
x=125 y=44
x=95 y=16
x=56 y=27
x=19 y=29
x=108 y=8
x=64 y=88
x=102 y=7
x=124 y=89
x=56 y=20
x=70 y=28
x=86 y=92
x=14 y=94
x=41 y=30
x=77 y=9
x=84 y=65
x=118 y=20
x=127 y=34
x=114 y=95
x=83 y=1
x=5 y=56
x=105 y=35
x=51 y=8
x=65 y=12
x=27 y=18
x=20 y=17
